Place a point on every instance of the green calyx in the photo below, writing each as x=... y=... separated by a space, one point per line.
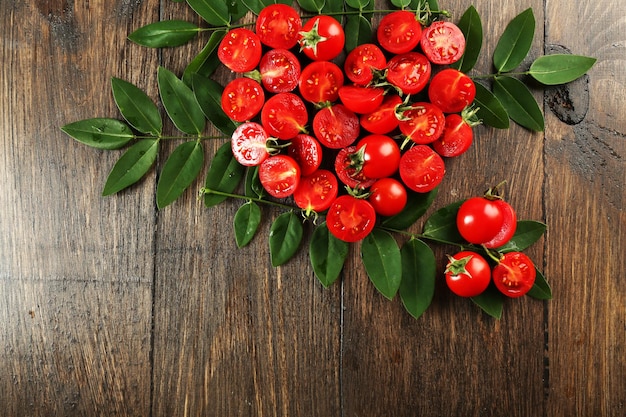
x=457 y=266
x=311 y=38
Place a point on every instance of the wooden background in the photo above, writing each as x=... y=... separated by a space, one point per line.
x=108 y=307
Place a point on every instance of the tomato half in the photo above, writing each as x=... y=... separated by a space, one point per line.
x=320 y=82
x=350 y=219
x=443 y=42
x=479 y=219
x=410 y=72
x=361 y=99
x=240 y=50
x=317 y=191
x=278 y=26
x=336 y=126
x=515 y=274
x=249 y=144
x=280 y=71
x=456 y=139
x=423 y=122
x=382 y=120
x=421 y=169
x=388 y=196
x=377 y=156
x=347 y=172
x=307 y=151
x=467 y=274
x=242 y=99
x=361 y=62
x=279 y=175
x=399 y=32
x=322 y=38
x=509 y=225
x=284 y=115
x=451 y=90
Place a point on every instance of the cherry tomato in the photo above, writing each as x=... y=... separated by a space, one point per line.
x=423 y=123
x=382 y=120
x=479 y=219
x=307 y=152
x=451 y=90
x=388 y=196
x=347 y=172
x=242 y=99
x=279 y=175
x=456 y=139
x=322 y=38
x=399 y=32
x=360 y=99
x=350 y=219
x=240 y=50
x=284 y=115
x=377 y=156
x=317 y=191
x=409 y=72
x=361 y=61
x=467 y=274
x=320 y=82
x=249 y=144
x=443 y=42
x=509 y=225
x=421 y=169
x=280 y=71
x=278 y=26
x=336 y=126
x=515 y=274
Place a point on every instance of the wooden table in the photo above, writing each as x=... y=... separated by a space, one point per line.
x=111 y=307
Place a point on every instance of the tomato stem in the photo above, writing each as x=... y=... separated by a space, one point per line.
x=204 y=191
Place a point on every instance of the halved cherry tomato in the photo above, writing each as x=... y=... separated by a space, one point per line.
x=443 y=42
x=279 y=175
x=284 y=115
x=240 y=50
x=361 y=61
x=479 y=219
x=421 y=169
x=336 y=126
x=457 y=137
x=410 y=72
x=317 y=191
x=278 y=26
x=509 y=225
x=361 y=99
x=307 y=151
x=399 y=32
x=320 y=82
x=423 y=122
x=350 y=219
x=467 y=274
x=347 y=172
x=249 y=144
x=388 y=196
x=515 y=274
x=377 y=156
x=322 y=38
x=280 y=71
x=382 y=120
x=451 y=90
x=242 y=99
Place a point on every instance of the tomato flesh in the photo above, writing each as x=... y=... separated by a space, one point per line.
x=410 y=72
x=240 y=50
x=242 y=99
x=423 y=123
x=421 y=169
x=320 y=82
x=336 y=126
x=509 y=225
x=456 y=139
x=317 y=191
x=350 y=219
x=360 y=99
x=515 y=274
x=278 y=26
x=451 y=90
x=362 y=61
x=347 y=173
x=399 y=32
x=382 y=120
x=443 y=42
x=284 y=115
x=307 y=151
x=279 y=175
x=248 y=144
x=280 y=71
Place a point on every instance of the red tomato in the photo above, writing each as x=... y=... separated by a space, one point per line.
x=423 y=123
x=509 y=225
x=307 y=152
x=336 y=126
x=320 y=82
x=467 y=274
x=456 y=139
x=479 y=219
x=284 y=115
x=346 y=171
x=280 y=71
x=322 y=38
x=388 y=196
x=515 y=274
x=249 y=144
x=317 y=191
x=361 y=61
x=240 y=50
x=409 y=72
x=421 y=169
x=384 y=119
x=279 y=175
x=399 y=32
x=451 y=90
x=242 y=99
x=278 y=26
x=443 y=42
x=360 y=99
x=350 y=219
x=377 y=156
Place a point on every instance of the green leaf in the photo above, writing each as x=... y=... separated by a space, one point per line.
x=401 y=4
x=360 y=30
x=419 y=267
x=527 y=232
x=236 y=9
x=357 y=4
x=314 y=6
x=180 y=170
x=132 y=166
x=382 y=261
x=253 y=186
x=519 y=102
x=327 y=254
x=100 y=132
x=333 y=7
x=206 y=62
x=224 y=175
x=285 y=237
x=416 y=206
x=180 y=103
x=246 y=223
x=515 y=42
x=560 y=68
x=442 y=224
x=213 y=12
x=472 y=28
x=136 y=107
x=163 y=34
x=257 y=5
x=490 y=110
x=491 y=301
x=208 y=94
x=541 y=289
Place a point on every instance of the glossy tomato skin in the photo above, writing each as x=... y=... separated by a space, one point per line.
x=509 y=225
x=279 y=175
x=278 y=26
x=322 y=38
x=284 y=115
x=423 y=123
x=479 y=219
x=317 y=191
x=380 y=156
x=361 y=61
x=361 y=100
x=336 y=126
x=242 y=99
x=350 y=219
x=307 y=151
x=249 y=144
x=240 y=50
x=410 y=72
x=399 y=32
x=456 y=139
x=514 y=275
x=346 y=171
x=320 y=82
x=388 y=196
x=467 y=274
x=421 y=169
x=443 y=42
x=280 y=71
x=451 y=90
x=382 y=120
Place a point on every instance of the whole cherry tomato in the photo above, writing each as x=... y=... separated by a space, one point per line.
x=451 y=90
x=280 y=71
x=249 y=144
x=442 y=42
x=350 y=219
x=376 y=156
x=362 y=61
x=388 y=196
x=509 y=225
x=284 y=115
x=240 y=50
x=421 y=169
x=410 y=72
x=242 y=99
x=467 y=274
x=347 y=172
x=322 y=38
x=278 y=26
x=320 y=82
x=279 y=175
x=515 y=274
x=479 y=219
x=399 y=32
x=317 y=191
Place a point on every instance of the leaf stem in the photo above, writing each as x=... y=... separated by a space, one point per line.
x=205 y=190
